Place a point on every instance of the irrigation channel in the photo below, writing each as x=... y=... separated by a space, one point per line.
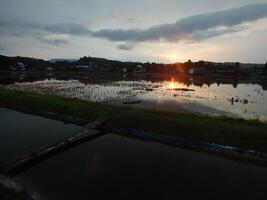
x=88 y=163
x=90 y=131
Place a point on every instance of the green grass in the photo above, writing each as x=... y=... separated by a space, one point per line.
x=247 y=134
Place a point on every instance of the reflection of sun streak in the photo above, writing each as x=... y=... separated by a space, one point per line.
x=199 y=94
x=172 y=84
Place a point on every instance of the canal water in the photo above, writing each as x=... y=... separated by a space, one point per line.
x=116 y=167
x=20 y=133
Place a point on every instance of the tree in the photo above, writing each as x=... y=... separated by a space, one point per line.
x=237 y=68
x=265 y=69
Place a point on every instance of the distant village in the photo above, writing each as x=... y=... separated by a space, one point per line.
x=93 y=64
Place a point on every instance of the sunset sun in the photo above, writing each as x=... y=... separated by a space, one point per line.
x=173 y=56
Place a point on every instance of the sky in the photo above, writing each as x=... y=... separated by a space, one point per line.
x=164 y=31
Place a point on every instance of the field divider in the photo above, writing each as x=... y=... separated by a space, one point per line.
x=229 y=152
x=89 y=132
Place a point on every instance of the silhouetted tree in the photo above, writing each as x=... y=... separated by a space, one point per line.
x=237 y=68
x=265 y=69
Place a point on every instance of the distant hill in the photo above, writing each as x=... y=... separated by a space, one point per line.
x=89 y=63
x=7 y=62
x=62 y=60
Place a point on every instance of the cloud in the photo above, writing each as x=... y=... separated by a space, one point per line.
x=54 y=39
x=67 y=28
x=2 y=48
x=192 y=28
x=60 y=28
x=53 y=34
x=186 y=28
x=127 y=46
x=131 y=19
x=202 y=35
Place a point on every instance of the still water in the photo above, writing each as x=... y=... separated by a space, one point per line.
x=247 y=101
x=236 y=97
x=116 y=167
x=20 y=133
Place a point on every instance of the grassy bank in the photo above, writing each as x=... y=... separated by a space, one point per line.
x=220 y=130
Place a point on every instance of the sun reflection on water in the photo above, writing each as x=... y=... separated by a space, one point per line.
x=174 y=84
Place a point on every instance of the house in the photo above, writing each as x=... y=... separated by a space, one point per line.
x=86 y=67
x=191 y=71
x=197 y=70
x=21 y=66
x=49 y=69
x=18 y=66
x=13 y=68
x=139 y=69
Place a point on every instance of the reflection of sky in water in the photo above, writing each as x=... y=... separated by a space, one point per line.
x=249 y=101
x=245 y=100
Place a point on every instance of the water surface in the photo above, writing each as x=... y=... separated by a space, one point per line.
x=20 y=133
x=115 y=167
x=236 y=97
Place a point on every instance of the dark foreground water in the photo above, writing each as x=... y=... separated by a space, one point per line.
x=115 y=167
x=20 y=133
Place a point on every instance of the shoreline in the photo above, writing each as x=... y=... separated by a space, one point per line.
x=224 y=131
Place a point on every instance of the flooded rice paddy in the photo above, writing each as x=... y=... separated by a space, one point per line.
x=229 y=97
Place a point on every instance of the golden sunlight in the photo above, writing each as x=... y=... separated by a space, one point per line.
x=173 y=57
x=172 y=84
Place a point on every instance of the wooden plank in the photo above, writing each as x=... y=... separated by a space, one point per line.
x=90 y=131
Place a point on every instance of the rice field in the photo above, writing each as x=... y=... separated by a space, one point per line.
x=74 y=89
x=244 y=101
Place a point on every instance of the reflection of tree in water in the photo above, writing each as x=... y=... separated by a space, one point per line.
x=87 y=77
x=235 y=81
